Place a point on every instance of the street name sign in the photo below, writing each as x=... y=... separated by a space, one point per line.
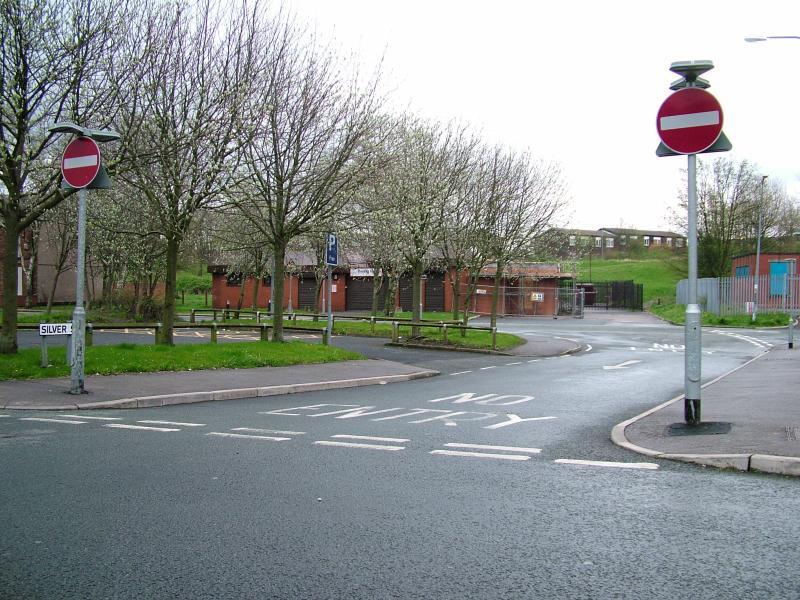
x=689 y=121
x=81 y=162
x=55 y=329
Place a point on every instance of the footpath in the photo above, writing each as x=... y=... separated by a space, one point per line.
x=750 y=420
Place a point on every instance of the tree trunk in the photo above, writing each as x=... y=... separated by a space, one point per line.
x=377 y=286
x=389 y=303
x=278 y=273
x=170 y=285
x=56 y=276
x=256 y=285
x=8 y=337
x=320 y=283
x=472 y=285
x=498 y=278
x=240 y=299
x=416 y=296
x=455 y=284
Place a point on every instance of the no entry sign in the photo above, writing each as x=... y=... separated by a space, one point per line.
x=81 y=162
x=689 y=121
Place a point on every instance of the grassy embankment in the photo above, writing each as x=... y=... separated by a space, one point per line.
x=660 y=277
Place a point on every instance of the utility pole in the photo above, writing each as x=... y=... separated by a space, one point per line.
x=758 y=248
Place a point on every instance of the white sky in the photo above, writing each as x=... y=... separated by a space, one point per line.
x=580 y=82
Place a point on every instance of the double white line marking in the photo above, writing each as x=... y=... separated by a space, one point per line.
x=519 y=453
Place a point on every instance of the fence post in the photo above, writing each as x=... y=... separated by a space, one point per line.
x=89 y=335
x=325 y=337
x=191 y=317
x=264 y=332
x=258 y=317
x=372 y=325
x=156 y=331
x=214 y=332
x=444 y=332
x=43 y=342
x=214 y=318
x=395 y=332
x=494 y=338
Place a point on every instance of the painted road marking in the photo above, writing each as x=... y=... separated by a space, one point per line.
x=43 y=420
x=362 y=446
x=502 y=448
x=370 y=438
x=91 y=418
x=622 y=365
x=242 y=436
x=485 y=368
x=460 y=372
x=480 y=455
x=138 y=427
x=5 y=416
x=603 y=463
x=588 y=348
x=514 y=363
x=174 y=423
x=534 y=360
x=268 y=431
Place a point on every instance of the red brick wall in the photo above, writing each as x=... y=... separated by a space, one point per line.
x=221 y=292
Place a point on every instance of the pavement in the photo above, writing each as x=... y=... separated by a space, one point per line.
x=750 y=420
x=751 y=415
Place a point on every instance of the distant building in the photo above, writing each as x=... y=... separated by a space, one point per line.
x=612 y=241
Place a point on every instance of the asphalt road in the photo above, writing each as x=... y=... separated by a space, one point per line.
x=472 y=484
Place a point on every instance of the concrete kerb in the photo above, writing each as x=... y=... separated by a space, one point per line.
x=235 y=394
x=781 y=465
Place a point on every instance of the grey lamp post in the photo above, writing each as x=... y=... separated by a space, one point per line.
x=101 y=181
x=758 y=248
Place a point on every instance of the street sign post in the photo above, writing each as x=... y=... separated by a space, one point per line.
x=331 y=260
x=690 y=122
x=81 y=168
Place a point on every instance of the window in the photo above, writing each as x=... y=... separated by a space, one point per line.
x=609 y=242
x=679 y=242
x=598 y=242
x=233 y=279
x=669 y=241
x=656 y=241
x=572 y=240
x=743 y=271
x=634 y=237
x=622 y=240
x=647 y=240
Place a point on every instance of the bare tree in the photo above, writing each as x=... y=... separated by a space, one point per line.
x=60 y=234
x=187 y=119
x=313 y=146
x=524 y=198
x=54 y=59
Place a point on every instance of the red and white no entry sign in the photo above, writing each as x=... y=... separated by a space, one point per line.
x=81 y=162
x=689 y=121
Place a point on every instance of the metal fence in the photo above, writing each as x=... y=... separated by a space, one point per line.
x=528 y=301
x=725 y=296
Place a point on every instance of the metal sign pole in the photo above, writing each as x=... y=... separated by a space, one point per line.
x=692 y=328
x=79 y=314
x=330 y=302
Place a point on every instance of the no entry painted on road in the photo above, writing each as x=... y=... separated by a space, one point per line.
x=81 y=162
x=689 y=121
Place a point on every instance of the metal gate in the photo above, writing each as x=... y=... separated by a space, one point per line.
x=359 y=293
x=307 y=290
x=605 y=295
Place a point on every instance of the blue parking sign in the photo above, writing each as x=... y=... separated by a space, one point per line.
x=332 y=250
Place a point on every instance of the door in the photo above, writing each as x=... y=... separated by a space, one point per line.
x=434 y=292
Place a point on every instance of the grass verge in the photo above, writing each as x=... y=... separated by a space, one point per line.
x=676 y=313
x=136 y=358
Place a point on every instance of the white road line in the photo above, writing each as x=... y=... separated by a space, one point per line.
x=480 y=455
x=534 y=360
x=43 y=420
x=460 y=372
x=138 y=427
x=487 y=447
x=362 y=446
x=242 y=436
x=566 y=338
x=514 y=363
x=91 y=418
x=268 y=431
x=588 y=348
x=5 y=416
x=174 y=423
x=370 y=438
x=603 y=463
x=492 y=367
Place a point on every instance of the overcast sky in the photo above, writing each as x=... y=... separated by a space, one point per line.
x=580 y=83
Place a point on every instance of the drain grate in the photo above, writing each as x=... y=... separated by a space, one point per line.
x=792 y=433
